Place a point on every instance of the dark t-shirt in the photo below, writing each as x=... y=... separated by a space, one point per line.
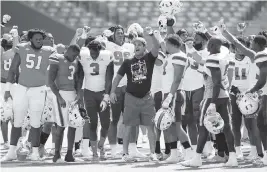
x=139 y=74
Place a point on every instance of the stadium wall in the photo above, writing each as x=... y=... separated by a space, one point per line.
x=27 y=18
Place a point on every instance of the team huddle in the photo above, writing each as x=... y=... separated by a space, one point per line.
x=197 y=89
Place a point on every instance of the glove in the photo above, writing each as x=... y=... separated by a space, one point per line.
x=170 y=21
x=211 y=108
x=14 y=31
x=167 y=101
x=6 y=19
x=105 y=102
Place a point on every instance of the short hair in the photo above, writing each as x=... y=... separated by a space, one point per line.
x=89 y=39
x=75 y=48
x=32 y=32
x=202 y=35
x=174 y=40
x=95 y=45
x=140 y=39
x=264 y=33
x=261 y=40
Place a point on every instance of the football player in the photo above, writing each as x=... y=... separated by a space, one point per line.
x=193 y=85
x=63 y=72
x=98 y=73
x=29 y=95
x=258 y=46
x=216 y=98
x=8 y=44
x=174 y=69
x=241 y=80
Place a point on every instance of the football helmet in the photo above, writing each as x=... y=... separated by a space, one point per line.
x=170 y=7
x=26 y=126
x=77 y=116
x=6 y=110
x=135 y=27
x=213 y=122
x=248 y=104
x=164 y=118
x=47 y=115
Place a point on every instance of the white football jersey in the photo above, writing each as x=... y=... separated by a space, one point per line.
x=241 y=73
x=95 y=70
x=120 y=53
x=260 y=58
x=156 y=83
x=168 y=70
x=216 y=61
x=193 y=79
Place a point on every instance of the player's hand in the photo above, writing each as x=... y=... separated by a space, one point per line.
x=222 y=25
x=113 y=98
x=199 y=27
x=7 y=96
x=79 y=32
x=78 y=98
x=167 y=101
x=14 y=31
x=149 y=30
x=61 y=101
x=6 y=18
x=105 y=102
x=211 y=108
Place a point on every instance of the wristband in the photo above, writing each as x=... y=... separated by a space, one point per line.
x=8 y=86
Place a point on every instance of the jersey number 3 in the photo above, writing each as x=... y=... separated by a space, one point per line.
x=72 y=70
x=95 y=67
x=30 y=62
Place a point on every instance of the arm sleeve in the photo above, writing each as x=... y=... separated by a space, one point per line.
x=260 y=57
x=212 y=62
x=179 y=60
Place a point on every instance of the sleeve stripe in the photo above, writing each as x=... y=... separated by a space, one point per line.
x=212 y=61
x=53 y=59
x=162 y=54
x=212 y=65
x=179 y=58
x=260 y=56
x=262 y=59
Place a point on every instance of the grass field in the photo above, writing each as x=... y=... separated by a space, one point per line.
x=118 y=165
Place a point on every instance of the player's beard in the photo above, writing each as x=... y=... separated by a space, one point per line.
x=198 y=46
x=37 y=48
